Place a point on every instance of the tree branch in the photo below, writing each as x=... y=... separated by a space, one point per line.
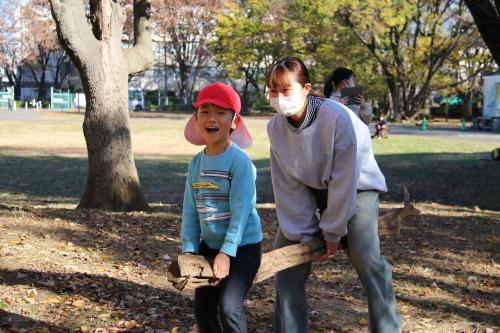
x=140 y=57
x=73 y=29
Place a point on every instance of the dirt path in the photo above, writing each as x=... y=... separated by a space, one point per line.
x=63 y=270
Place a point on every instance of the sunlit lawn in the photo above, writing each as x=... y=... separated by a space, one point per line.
x=45 y=160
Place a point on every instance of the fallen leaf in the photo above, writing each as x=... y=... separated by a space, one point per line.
x=79 y=303
x=100 y=330
x=105 y=315
x=363 y=322
x=53 y=300
x=32 y=293
x=129 y=324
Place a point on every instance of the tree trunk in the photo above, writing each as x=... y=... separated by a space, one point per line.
x=96 y=50
x=42 y=89
x=468 y=106
x=183 y=82
x=165 y=74
x=17 y=86
x=396 y=106
x=487 y=19
x=112 y=182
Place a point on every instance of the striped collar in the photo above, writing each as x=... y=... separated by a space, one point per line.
x=313 y=105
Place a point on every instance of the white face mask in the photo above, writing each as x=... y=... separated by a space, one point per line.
x=288 y=105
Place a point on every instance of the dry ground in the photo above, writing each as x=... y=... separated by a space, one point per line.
x=67 y=270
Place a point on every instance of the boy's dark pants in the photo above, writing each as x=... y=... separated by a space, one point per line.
x=227 y=299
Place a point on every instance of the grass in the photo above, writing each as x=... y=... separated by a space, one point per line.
x=45 y=159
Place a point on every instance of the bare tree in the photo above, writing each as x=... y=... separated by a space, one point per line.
x=60 y=67
x=11 y=53
x=38 y=40
x=486 y=14
x=92 y=36
x=184 y=29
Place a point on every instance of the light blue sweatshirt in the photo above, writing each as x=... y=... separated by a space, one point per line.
x=219 y=202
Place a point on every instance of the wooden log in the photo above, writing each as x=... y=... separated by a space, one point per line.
x=193 y=271
x=288 y=256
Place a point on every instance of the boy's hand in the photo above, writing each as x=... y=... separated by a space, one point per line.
x=221 y=265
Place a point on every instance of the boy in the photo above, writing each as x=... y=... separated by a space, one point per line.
x=219 y=219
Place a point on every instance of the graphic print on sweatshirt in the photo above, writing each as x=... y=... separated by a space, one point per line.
x=212 y=195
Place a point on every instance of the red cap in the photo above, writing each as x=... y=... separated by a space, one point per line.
x=219 y=94
x=223 y=96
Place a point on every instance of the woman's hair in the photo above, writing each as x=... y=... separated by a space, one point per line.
x=338 y=75
x=276 y=75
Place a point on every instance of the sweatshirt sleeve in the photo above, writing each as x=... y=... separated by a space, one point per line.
x=366 y=113
x=242 y=198
x=342 y=187
x=190 y=228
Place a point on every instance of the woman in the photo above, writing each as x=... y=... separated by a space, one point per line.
x=316 y=164
x=342 y=78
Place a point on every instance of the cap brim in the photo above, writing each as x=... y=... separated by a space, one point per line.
x=241 y=136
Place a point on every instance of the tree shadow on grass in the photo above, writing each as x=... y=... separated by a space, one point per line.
x=56 y=179
x=463 y=293
x=451 y=179
x=461 y=311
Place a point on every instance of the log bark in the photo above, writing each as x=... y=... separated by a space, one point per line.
x=96 y=50
x=193 y=271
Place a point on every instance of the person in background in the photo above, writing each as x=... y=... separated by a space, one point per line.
x=341 y=78
x=381 y=128
x=10 y=104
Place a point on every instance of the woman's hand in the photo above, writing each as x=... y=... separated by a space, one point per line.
x=221 y=265
x=331 y=249
x=360 y=99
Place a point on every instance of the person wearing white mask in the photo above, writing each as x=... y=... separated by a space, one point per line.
x=321 y=160
x=342 y=78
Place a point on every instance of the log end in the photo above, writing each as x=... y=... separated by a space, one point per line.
x=187 y=282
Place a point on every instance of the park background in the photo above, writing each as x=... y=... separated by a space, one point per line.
x=97 y=270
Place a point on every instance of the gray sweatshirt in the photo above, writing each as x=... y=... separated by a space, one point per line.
x=321 y=156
